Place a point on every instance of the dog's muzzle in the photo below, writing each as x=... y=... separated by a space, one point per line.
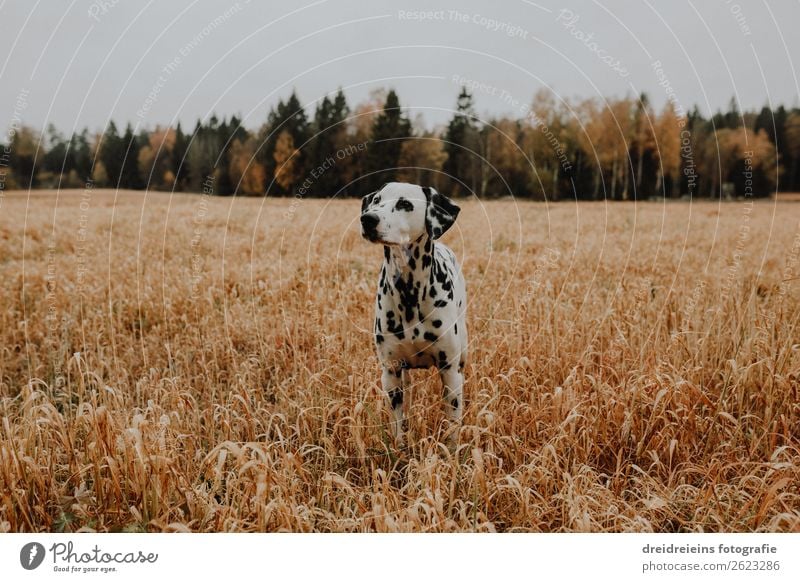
x=369 y=226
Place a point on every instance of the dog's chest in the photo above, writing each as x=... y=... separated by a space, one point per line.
x=417 y=311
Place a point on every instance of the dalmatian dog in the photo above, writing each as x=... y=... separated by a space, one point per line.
x=420 y=309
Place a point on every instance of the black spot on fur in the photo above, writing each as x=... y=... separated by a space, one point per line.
x=366 y=201
x=379 y=338
x=437 y=323
x=455 y=403
x=455 y=328
x=394 y=327
x=409 y=295
x=440 y=303
x=431 y=337
x=396 y=397
x=404 y=205
x=386 y=252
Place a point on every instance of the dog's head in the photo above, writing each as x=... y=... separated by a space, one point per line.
x=399 y=213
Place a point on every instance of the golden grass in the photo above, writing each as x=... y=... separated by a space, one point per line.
x=632 y=368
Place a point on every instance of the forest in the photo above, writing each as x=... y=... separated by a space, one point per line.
x=589 y=149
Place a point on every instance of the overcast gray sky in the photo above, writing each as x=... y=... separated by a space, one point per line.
x=82 y=62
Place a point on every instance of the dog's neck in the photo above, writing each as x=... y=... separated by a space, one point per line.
x=408 y=258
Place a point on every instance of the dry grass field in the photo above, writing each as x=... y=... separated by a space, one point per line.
x=206 y=364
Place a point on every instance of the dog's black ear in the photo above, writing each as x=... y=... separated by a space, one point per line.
x=440 y=213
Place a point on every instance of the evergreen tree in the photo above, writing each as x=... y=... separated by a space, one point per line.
x=82 y=152
x=222 y=137
x=389 y=130
x=289 y=117
x=774 y=123
x=57 y=159
x=202 y=155
x=237 y=131
x=643 y=146
x=790 y=156
x=227 y=133
x=329 y=134
x=112 y=153
x=180 y=165
x=731 y=119
x=461 y=146
x=129 y=173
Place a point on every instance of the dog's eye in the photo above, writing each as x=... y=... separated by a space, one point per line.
x=404 y=205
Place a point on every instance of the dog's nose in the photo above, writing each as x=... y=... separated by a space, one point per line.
x=369 y=221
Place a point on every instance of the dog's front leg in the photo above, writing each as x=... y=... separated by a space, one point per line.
x=393 y=386
x=453 y=384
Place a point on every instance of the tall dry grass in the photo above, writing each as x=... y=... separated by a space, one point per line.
x=206 y=364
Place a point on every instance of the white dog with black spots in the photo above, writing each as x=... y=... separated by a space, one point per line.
x=420 y=308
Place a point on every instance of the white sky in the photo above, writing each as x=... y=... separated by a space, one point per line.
x=77 y=69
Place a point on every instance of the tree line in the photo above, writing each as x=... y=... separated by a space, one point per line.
x=591 y=149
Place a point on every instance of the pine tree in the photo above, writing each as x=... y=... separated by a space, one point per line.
x=57 y=159
x=129 y=173
x=223 y=137
x=461 y=146
x=180 y=165
x=731 y=119
x=290 y=117
x=82 y=152
x=774 y=124
x=790 y=156
x=643 y=147
x=390 y=129
x=202 y=155
x=112 y=153
x=329 y=134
